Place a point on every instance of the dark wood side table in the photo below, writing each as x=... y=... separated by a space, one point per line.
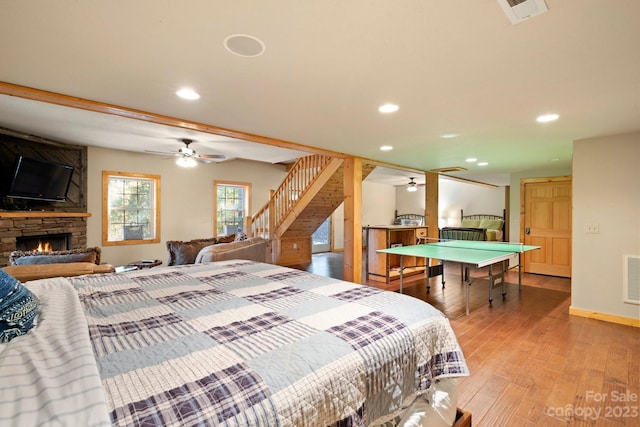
x=145 y=263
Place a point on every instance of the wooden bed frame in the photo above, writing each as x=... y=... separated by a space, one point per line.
x=412 y=217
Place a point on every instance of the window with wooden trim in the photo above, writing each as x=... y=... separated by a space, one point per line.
x=231 y=206
x=130 y=208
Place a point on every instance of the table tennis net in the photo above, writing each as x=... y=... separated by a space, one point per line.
x=479 y=245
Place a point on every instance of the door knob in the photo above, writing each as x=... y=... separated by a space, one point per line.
x=527 y=230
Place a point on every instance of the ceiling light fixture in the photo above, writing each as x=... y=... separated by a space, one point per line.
x=186 y=162
x=388 y=108
x=412 y=186
x=546 y=118
x=483 y=164
x=449 y=135
x=471 y=160
x=386 y=148
x=189 y=94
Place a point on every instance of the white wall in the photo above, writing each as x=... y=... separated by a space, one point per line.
x=473 y=198
x=378 y=203
x=606 y=191
x=186 y=197
x=452 y=196
x=378 y=208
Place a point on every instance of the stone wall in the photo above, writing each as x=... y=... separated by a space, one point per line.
x=23 y=224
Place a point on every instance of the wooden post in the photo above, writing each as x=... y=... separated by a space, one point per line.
x=352 y=263
x=431 y=207
x=275 y=242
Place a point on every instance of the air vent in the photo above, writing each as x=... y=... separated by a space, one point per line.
x=449 y=169
x=521 y=10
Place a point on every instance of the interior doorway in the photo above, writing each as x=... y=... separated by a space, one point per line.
x=546 y=222
x=321 y=238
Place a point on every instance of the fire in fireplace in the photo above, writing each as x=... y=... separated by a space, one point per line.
x=44 y=242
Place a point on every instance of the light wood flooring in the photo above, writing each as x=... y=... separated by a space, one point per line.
x=531 y=363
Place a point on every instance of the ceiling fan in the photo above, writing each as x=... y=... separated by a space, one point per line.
x=187 y=156
x=412 y=185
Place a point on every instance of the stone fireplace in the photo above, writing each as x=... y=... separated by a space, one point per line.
x=67 y=228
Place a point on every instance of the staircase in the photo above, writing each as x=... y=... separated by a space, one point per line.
x=308 y=195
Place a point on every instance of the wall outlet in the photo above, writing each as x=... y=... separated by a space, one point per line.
x=295 y=246
x=592 y=228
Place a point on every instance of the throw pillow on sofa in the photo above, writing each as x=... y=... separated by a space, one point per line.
x=253 y=249
x=185 y=252
x=240 y=236
x=227 y=239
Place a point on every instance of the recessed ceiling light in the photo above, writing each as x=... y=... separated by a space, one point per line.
x=449 y=135
x=388 y=108
x=187 y=93
x=386 y=148
x=546 y=118
x=471 y=160
x=483 y=164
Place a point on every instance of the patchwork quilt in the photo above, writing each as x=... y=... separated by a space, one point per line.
x=240 y=343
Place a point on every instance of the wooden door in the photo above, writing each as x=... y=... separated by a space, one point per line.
x=546 y=221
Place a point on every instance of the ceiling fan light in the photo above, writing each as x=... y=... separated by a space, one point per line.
x=412 y=186
x=186 y=162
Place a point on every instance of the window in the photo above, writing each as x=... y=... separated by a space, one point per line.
x=130 y=208
x=231 y=206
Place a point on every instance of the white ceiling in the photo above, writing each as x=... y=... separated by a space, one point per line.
x=451 y=66
x=84 y=127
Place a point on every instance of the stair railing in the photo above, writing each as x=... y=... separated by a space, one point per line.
x=282 y=200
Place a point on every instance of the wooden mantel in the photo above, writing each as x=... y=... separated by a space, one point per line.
x=42 y=214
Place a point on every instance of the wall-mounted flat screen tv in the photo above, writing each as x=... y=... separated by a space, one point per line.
x=37 y=179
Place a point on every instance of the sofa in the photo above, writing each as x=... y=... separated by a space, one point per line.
x=253 y=248
x=217 y=249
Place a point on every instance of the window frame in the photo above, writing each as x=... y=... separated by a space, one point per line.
x=247 y=202
x=106 y=176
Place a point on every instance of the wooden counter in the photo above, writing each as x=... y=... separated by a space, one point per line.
x=383 y=267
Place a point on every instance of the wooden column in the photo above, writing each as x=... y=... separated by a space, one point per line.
x=431 y=207
x=352 y=263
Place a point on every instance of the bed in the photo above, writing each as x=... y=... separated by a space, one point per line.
x=232 y=343
x=477 y=227
x=408 y=219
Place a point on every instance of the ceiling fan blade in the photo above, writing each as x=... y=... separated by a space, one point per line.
x=202 y=160
x=211 y=156
x=161 y=152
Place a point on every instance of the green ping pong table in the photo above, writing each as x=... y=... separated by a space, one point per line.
x=469 y=254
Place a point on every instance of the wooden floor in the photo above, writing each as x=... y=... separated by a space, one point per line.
x=531 y=363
